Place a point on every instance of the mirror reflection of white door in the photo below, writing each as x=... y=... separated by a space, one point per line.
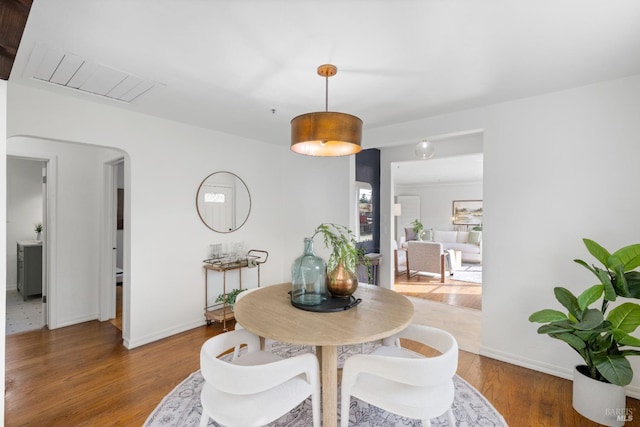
x=218 y=203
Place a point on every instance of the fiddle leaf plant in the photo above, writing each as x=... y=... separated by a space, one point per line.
x=602 y=339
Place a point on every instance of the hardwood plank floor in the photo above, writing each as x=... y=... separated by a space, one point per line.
x=81 y=375
x=117 y=321
x=452 y=292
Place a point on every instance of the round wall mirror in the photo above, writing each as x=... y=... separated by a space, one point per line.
x=223 y=202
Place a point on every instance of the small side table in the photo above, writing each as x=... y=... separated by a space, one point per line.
x=458 y=264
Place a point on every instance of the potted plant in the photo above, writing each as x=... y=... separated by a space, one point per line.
x=418 y=228
x=38 y=230
x=601 y=338
x=230 y=297
x=342 y=280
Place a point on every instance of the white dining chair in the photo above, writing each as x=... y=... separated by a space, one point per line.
x=267 y=341
x=256 y=388
x=404 y=382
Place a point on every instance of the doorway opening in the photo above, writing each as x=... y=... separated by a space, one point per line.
x=117 y=224
x=76 y=230
x=428 y=191
x=26 y=262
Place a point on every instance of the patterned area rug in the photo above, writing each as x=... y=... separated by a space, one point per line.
x=182 y=406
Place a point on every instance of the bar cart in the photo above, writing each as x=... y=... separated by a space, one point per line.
x=222 y=312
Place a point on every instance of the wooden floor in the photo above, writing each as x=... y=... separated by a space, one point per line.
x=117 y=321
x=452 y=292
x=82 y=376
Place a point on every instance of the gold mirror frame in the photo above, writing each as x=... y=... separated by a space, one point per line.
x=223 y=202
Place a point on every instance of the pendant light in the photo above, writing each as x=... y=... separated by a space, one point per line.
x=424 y=150
x=326 y=133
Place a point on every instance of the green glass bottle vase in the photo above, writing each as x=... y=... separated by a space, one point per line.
x=308 y=277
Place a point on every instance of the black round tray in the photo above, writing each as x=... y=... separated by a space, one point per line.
x=332 y=304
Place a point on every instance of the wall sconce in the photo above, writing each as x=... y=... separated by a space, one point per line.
x=397 y=209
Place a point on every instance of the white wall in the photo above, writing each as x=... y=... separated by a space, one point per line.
x=3 y=236
x=557 y=168
x=436 y=201
x=564 y=164
x=317 y=191
x=166 y=161
x=24 y=208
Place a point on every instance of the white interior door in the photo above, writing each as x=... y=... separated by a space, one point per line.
x=218 y=207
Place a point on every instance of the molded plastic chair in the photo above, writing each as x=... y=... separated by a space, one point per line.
x=256 y=388
x=267 y=342
x=404 y=382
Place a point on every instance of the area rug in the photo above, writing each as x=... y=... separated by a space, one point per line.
x=181 y=407
x=468 y=273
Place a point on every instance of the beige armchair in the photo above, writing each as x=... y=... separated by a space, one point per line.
x=399 y=258
x=427 y=257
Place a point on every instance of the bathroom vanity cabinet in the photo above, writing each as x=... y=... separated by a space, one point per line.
x=29 y=268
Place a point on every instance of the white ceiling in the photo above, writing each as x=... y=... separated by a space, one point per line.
x=227 y=64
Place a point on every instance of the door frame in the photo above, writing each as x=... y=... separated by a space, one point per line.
x=107 y=292
x=50 y=235
x=45 y=265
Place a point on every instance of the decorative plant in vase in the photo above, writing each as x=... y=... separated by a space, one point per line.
x=230 y=297
x=418 y=228
x=342 y=281
x=38 y=229
x=602 y=339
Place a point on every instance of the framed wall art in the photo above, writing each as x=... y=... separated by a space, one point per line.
x=467 y=212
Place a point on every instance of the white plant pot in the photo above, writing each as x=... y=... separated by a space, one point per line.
x=601 y=402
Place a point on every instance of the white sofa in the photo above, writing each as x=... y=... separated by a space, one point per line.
x=469 y=243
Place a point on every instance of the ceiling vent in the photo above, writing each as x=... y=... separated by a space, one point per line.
x=71 y=71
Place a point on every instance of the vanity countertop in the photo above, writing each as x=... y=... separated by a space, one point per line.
x=30 y=242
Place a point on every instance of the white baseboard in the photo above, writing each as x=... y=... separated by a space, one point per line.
x=129 y=343
x=74 y=321
x=557 y=371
